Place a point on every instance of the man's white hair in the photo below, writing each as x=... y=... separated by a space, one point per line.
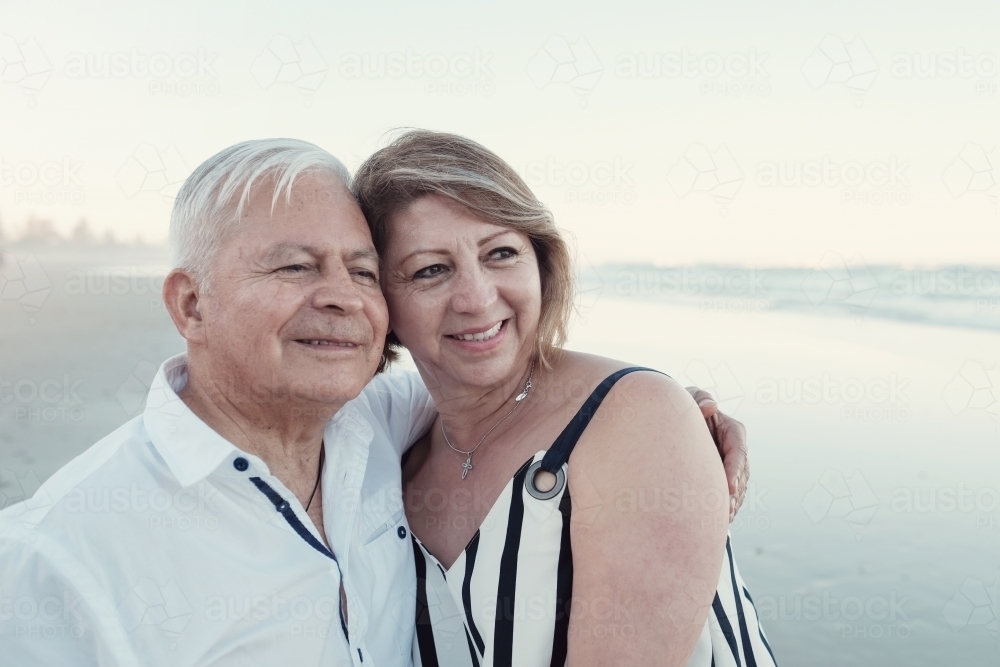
x=213 y=197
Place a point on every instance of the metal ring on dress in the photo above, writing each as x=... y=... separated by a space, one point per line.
x=529 y=482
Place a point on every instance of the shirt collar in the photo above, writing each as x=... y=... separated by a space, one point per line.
x=191 y=449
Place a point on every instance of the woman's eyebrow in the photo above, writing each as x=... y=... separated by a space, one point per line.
x=484 y=241
x=438 y=251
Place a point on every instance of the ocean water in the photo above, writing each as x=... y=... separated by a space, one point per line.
x=871 y=531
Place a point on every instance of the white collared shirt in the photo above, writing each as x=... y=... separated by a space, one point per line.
x=164 y=544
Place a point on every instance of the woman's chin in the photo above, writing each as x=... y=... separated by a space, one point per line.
x=484 y=373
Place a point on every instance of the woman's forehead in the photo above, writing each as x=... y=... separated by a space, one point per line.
x=433 y=216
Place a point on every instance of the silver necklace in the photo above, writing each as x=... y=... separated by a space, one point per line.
x=467 y=466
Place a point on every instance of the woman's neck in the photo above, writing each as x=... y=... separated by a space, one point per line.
x=469 y=411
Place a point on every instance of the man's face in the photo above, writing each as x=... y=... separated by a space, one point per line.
x=295 y=307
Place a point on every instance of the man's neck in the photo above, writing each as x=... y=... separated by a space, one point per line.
x=286 y=434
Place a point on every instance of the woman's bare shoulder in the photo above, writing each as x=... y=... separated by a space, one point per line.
x=593 y=369
x=647 y=417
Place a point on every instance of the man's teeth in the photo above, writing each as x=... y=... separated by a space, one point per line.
x=327 y=342
x=482 y=335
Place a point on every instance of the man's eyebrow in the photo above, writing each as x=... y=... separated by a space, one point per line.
x=285 y=249
x=481 y=242
x=367 y=253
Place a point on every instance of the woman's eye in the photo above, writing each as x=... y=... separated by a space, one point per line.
x=430 y=271
x=503 y=253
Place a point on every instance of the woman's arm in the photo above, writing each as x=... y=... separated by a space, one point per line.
x=650 y=517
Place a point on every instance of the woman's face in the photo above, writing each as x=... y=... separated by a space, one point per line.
x=464 y=295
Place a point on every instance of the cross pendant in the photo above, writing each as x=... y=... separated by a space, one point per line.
x=467 y=466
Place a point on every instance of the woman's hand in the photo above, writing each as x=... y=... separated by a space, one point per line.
x=730 y=437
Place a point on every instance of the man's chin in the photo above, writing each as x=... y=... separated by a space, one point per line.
x=330 y=383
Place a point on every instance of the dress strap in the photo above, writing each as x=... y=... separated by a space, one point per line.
x=560 y=450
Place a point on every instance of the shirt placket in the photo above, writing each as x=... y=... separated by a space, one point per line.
x=352 y=440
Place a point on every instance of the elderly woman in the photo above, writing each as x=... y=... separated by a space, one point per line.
x=566 y=508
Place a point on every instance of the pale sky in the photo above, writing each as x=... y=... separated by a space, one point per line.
x=674 y=133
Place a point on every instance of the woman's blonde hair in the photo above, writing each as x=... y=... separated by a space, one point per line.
x=418 y=163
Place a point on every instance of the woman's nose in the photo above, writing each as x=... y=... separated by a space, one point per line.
x=474 y=293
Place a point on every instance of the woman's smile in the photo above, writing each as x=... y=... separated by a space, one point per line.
x=479 y=339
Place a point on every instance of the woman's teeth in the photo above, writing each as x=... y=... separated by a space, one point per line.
x=482 y=335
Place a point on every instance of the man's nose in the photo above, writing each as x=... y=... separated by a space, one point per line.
x=337 y=290
x=474 y=293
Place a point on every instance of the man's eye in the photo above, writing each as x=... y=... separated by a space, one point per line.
x=294 y=268
x=503 y=253
x=430 y=271
x=369 y=276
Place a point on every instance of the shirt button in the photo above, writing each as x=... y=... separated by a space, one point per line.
x=240 y=464
x=401 y=532
x=283 y=506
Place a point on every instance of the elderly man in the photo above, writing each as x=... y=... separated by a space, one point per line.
x=252 y=514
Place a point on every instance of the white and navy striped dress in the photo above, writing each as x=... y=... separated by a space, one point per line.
x=505 y=601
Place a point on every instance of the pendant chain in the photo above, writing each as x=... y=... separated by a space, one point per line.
x=467 y=466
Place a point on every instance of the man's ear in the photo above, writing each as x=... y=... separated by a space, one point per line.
x=182 y=298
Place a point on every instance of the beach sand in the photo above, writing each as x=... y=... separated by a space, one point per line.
x=871 y=532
